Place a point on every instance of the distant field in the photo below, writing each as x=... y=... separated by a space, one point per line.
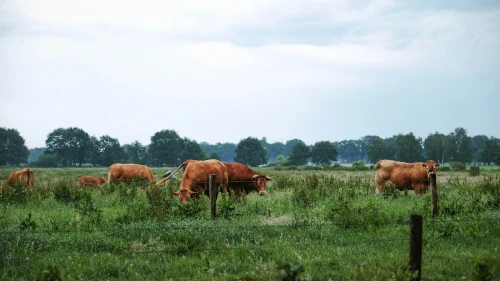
x=319 y=225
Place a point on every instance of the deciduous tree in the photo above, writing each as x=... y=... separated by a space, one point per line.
x=165 y=148
x=300 y=153
x=323 y=152
x=250 y=151
x=408 y=148
x=379 y=149
x=13 y=151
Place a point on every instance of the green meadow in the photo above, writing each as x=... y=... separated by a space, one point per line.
x=311 y=225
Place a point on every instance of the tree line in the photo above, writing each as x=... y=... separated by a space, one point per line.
x=75 y=147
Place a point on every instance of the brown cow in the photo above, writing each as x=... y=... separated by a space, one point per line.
x=242 y=178
x=122 y=172
x=412 y=176
x=25 y=176
x=195 y=177
x=91 y=181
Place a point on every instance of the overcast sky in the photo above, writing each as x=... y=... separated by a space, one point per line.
x=224 y=70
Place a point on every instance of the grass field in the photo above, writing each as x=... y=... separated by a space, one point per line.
x=311 y=225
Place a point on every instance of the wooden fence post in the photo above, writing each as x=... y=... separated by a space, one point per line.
x=415 y=261
x=434 y=196
x=212 y=192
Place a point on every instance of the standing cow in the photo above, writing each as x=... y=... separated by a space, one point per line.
x=91 y=181
x=412 y=176
x=242 y=178
x=195 y=178
x=24 y=176
x=123 y=172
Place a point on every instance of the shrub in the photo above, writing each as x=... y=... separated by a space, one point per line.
x=160 y=201
x=474 y=171
x=389 y=191
x=15 y=193
x=485 y=267
x=65 y=192
x=346 y=215
x=444 y=168
x=359 y=166
x=458 y=166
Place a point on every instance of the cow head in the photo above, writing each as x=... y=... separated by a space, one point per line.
x=431 y=166
x=260 y=183
x=184 y=195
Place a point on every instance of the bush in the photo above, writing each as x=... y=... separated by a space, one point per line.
x=16 y=193
x=474 y=171
x=458 y=166
x=359 y=166
x=485 y=267
x=444 y=168
x=65 y=191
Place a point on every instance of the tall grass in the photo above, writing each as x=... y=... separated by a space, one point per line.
x=311 y=225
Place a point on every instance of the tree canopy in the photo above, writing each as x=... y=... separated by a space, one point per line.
x=250 y=151
x=13 y=151
x=323 y=152
x=300 y=153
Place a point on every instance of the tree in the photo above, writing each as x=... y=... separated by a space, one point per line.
x=461 y=146
x=136 y=152
x=289 y=145
x=408 y=148
x=280 y=160
x=47 y=160
x=214 y=155
x=350 y=150
x=13 y=151
x=491 y=152
x=71 y=145
x=250 y=151
x=323 y=152
x=379 y=149
x=224 y=150
x=165 y=148
x=34 y=153
x=192 y=150
x=274 y=149
x=478 y=144
x=299 y=155
x=110 y=151
x=435 y=147
x=364 y=144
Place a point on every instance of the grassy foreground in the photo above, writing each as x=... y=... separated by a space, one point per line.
x=311 y=225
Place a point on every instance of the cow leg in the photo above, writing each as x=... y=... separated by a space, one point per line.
x=416 y=188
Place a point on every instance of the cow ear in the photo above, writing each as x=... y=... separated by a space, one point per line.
x=437 y=165
x=255 y=177
x=268 y=178
x=423 y=165
x=176 y=193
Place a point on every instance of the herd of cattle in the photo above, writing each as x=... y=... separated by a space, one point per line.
x=239 y=177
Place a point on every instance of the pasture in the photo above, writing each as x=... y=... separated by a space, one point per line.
x=311 y=225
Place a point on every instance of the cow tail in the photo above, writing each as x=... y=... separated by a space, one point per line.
x=173 y=173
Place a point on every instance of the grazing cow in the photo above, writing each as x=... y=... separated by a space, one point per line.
x=25 y=176
x=195 y=178
x=242 y=178
x=413 y=176
x=122 y=172
x=91 y=181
